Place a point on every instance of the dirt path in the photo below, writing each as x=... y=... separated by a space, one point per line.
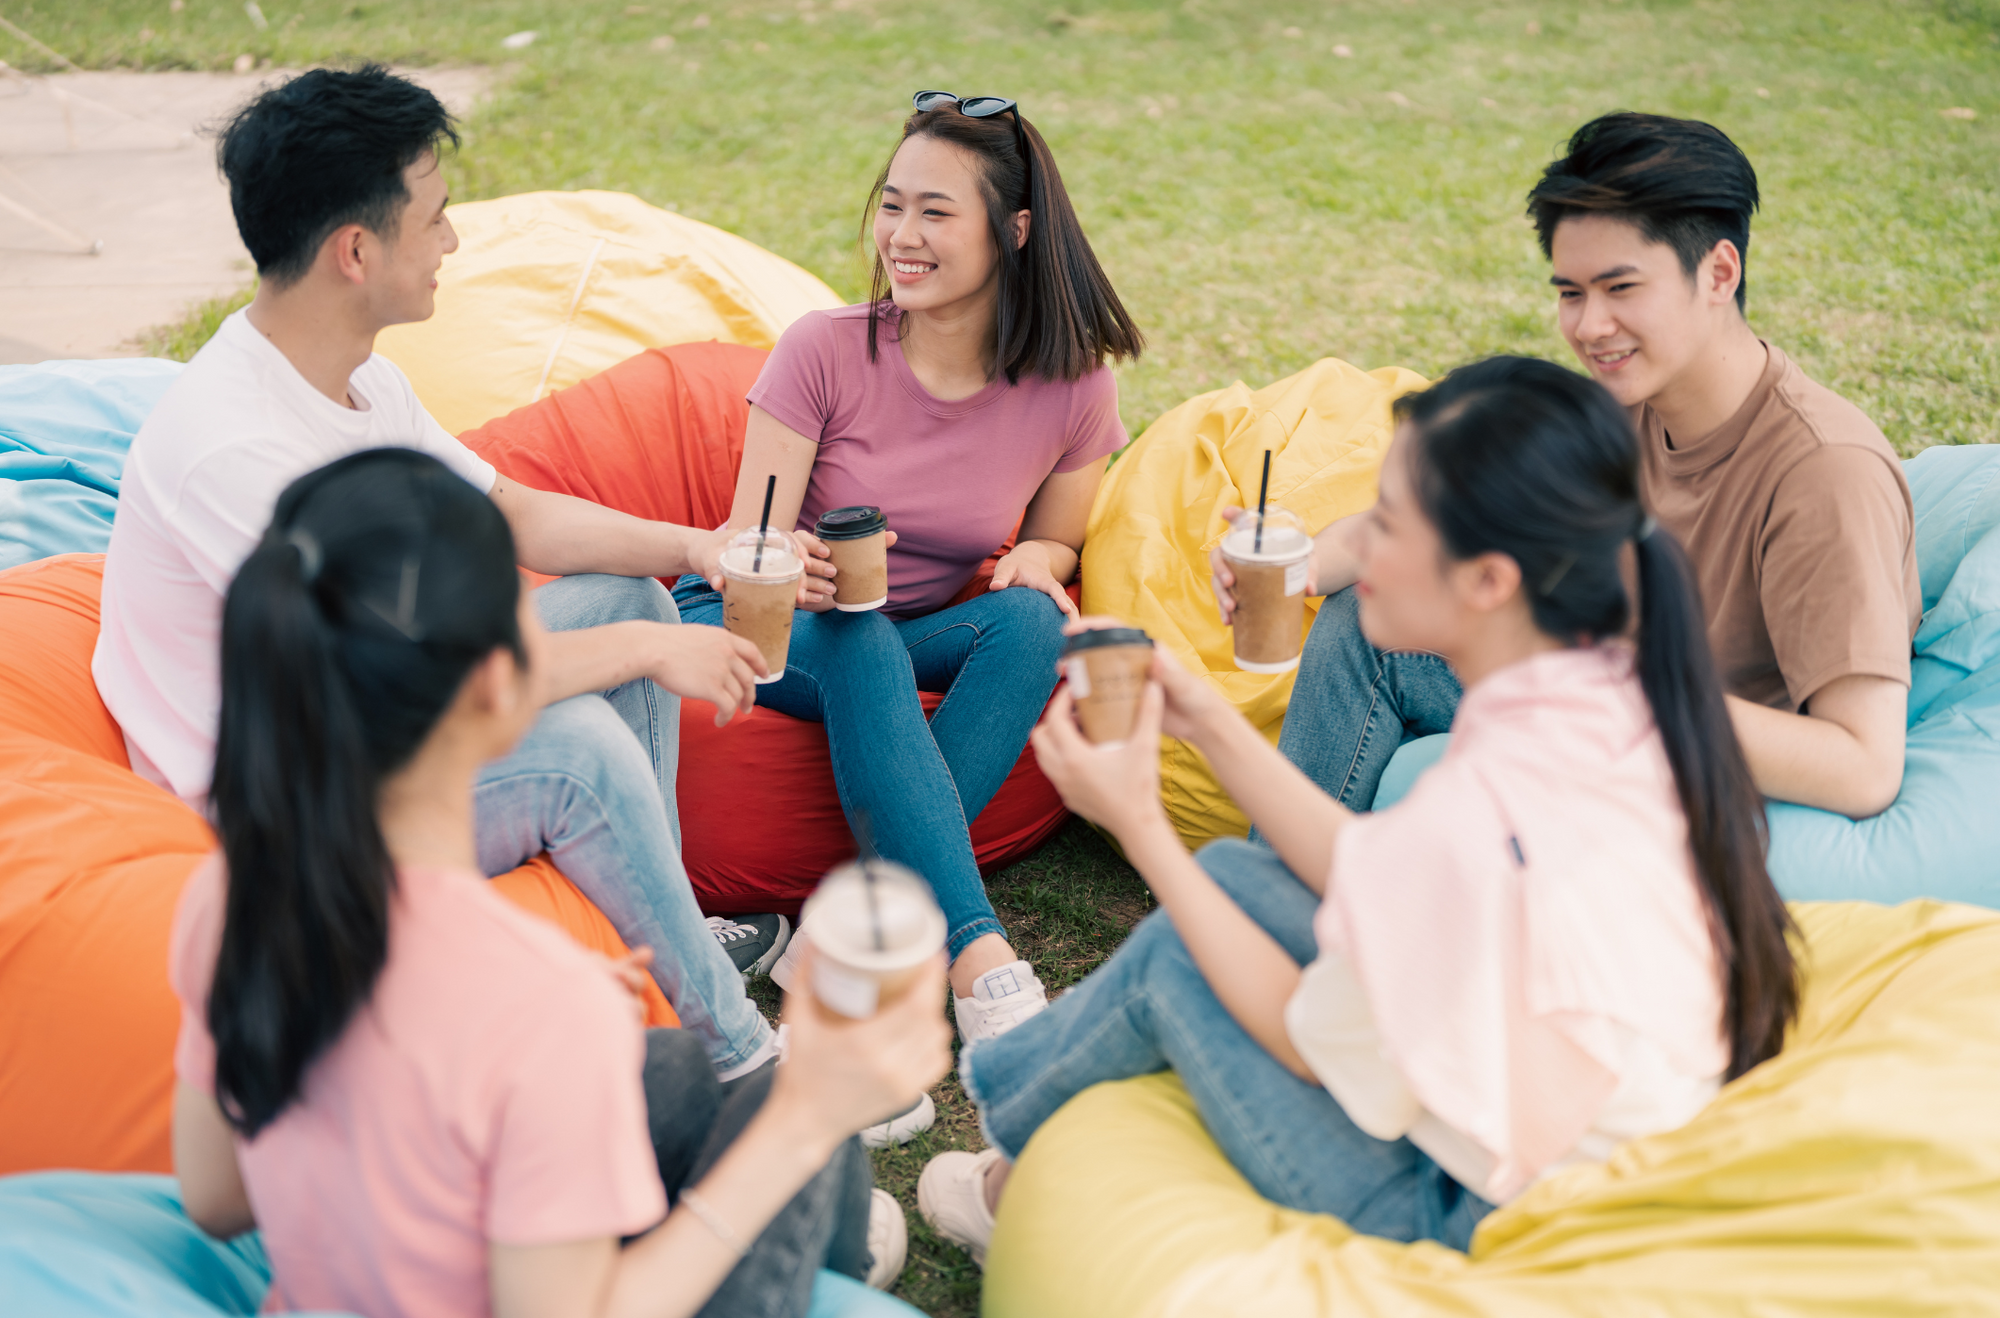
x=118 y=159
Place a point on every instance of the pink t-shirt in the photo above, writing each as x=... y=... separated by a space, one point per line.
x=1515 y=966
x=953 y=478
x=488 y=1091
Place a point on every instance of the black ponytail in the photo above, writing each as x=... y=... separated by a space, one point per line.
x=346 y=634
x=1524 y=458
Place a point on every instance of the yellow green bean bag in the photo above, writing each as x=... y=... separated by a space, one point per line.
x=549 y=288
x=1856 y=1173
x=1159 y=513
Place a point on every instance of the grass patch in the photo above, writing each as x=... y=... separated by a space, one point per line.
x=1260 y=200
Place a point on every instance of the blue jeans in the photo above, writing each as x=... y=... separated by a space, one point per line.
x=1149 y=1009
x=1352 y=705
x=592 y=784
x=918 y=784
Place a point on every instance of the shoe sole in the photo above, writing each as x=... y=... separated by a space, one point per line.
x=901 y=1129
x=762 y=965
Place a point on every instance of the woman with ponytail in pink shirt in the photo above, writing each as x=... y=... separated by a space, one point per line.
x=1564 y=936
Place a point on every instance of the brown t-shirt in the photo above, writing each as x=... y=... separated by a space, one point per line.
x=1799 y=522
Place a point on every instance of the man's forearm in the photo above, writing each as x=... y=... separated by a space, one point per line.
x=598 y=658
x=1819 y=762
x=560 y=535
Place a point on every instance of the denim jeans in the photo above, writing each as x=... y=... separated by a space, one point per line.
x=592 y=784
x=1148 y=1009
x=694 y=1118
x=919 y=785
x=1352 y=705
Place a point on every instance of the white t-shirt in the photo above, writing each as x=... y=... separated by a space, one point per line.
x=205 y=471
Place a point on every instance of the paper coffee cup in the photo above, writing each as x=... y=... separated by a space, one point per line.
x=759 y=593
x=1270 y=572
x=1107 y=669
x=857 y=538
x=872 y=931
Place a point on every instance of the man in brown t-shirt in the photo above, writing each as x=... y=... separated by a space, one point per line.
x=1790 y=503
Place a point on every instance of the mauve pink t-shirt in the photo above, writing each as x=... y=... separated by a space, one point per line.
x=489 y=1091
x=953 y=478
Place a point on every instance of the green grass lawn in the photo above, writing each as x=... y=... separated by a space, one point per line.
x=1261 y=198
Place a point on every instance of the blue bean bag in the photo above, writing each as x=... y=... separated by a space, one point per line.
x=64 y=430
x=88 y=1245
x=1942 y=836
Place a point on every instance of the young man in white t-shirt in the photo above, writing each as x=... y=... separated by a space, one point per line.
x=338 y=194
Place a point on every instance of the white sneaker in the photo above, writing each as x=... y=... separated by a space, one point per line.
x=786 y=968
x=951 y=1194
x=1001 y=999
x=888 y=1239
x=903 y=1127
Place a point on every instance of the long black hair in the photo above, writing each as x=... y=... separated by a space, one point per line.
x=1523 y=458
x=383 y=579
x=1059 y=317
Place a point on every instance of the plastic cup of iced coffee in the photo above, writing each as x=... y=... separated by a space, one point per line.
x=759 y=592
x=874 y=926
x=858 y=540
x=1107 y=669
x=1270 y=571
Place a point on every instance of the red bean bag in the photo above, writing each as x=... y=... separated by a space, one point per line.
x=92 y=859
x=660 y=435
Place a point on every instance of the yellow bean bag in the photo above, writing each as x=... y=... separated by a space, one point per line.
x=1159 y=513
x=548 y=288
x=1856 y=1173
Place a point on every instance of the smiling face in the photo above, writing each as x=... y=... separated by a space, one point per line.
x=931 y=230
x=1629 y=311
x=403 y=284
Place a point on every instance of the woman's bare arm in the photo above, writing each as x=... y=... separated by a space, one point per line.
x=212 y=1191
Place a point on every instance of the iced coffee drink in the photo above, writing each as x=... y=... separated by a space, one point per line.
x=1270 y=570
x=759 y=591
x=874 y=927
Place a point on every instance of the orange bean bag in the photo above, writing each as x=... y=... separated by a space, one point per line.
x=92 y=859
x=660 y=435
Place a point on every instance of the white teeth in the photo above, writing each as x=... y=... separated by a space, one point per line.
x=908 y=268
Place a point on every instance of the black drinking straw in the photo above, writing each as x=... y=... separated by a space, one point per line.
x=866 y=837
x=1263 y=491
x=771 y=488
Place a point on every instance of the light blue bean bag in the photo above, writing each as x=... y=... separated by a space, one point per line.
x=91 y=1245
x=1942 y=836
x=65 y=428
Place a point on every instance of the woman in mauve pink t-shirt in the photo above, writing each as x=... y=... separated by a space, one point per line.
x=431 y=1103
x=968 y=397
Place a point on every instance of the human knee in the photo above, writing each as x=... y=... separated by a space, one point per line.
x=594 y=599
x=1027 y=621
x=585 y=740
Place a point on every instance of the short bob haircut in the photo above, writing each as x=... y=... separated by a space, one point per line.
x=324 y=149
x=1682 y=182
x=1059 y=317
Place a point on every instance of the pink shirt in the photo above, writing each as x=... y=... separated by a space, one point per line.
x=488 y=1091
x=953 y=478
x=1516 y=967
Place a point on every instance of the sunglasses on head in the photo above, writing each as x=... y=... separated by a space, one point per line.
x=979 y=107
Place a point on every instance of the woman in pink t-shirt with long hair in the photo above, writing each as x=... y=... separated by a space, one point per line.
x=430 y=1102
x=967 y=397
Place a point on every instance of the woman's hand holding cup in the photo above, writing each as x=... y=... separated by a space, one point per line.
x=1114 y=786
x=1223 y=581
x=843 y=1075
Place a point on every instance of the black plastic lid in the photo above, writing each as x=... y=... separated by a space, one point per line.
x=1101 y=638
x=850 y=523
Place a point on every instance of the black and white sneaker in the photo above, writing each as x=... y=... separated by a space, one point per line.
x=754 y=942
